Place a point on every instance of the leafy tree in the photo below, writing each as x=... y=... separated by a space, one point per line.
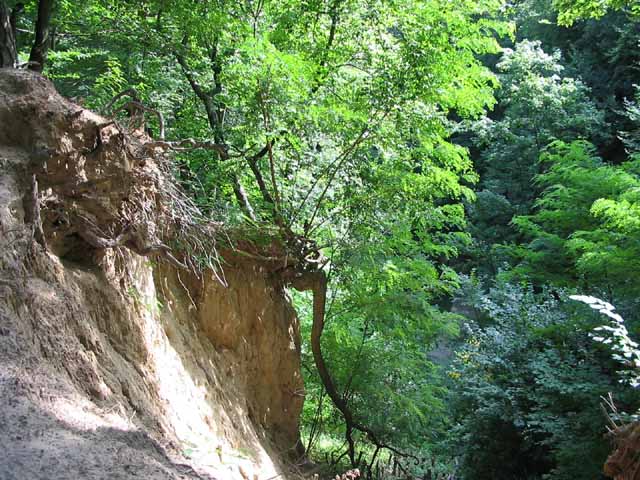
x=631 y=138
x=324 y=126
x=585 y=229
x=536 y=105
x=321 y=124
x=571 y=10
x=601 y=52
x=527 y=388
x=10 y=13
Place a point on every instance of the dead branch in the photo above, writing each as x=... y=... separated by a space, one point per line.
x=131 y=105
x=189 y=144
x=129 y=92
x=135 y=104
x=32 y=212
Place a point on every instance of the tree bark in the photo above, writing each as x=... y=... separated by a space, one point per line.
x=38 y=55
x=8 y=54
x=17 y=10
x=316 y=281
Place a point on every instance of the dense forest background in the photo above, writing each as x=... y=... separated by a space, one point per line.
x=463 y=167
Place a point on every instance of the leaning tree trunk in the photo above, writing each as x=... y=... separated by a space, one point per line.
x=40 y=47
x=316 y=281
x=8 y=55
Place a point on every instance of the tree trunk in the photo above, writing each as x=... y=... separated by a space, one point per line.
x=8 y=55
x=317 y=283
x=17 y=10
x=40 y=47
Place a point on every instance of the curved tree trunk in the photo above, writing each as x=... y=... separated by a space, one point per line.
x=316 y=281
x=8 y=55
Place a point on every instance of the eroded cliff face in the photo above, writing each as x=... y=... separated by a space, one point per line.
x=114 y=361
x=624 y=461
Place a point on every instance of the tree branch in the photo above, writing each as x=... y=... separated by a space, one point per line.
x=130 y=92
x=205 y=98
x=215 y=121
x=242 y=198
x=142 y=107
x=189 y=144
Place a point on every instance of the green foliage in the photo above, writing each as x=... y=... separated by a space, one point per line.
x=584 y=231
x=336 y=119
x=615 y=334
x=388 y=73
x=526 y=391
x=601 y=52
x=537 y=105
x=381 y=323
x=572 y=10
x=631 y=138
x=355 y=102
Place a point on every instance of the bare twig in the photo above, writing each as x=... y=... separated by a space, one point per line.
x=129 y=92
x=32 y=213
x=140 y=106
x=188 y=144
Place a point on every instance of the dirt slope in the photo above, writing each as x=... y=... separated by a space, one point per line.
x=115 y=363
x=624 y=462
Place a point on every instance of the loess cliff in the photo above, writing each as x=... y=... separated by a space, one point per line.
x=117 y=360
x=624 y=461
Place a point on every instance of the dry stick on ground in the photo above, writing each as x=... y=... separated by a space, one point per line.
x=32 y=212
x=609 y=409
